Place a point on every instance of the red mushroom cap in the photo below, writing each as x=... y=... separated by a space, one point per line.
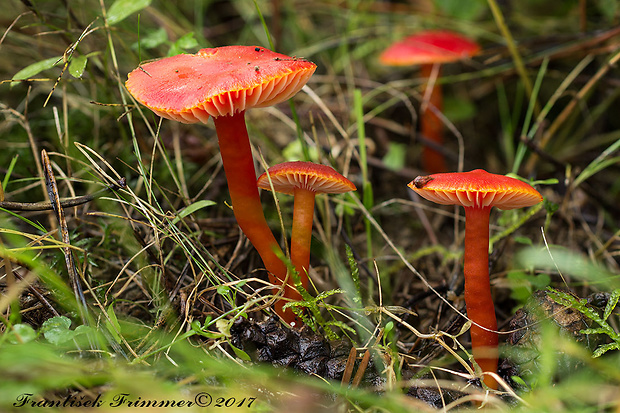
x=428 y=47
x=476 y=188
x=219 y=81
x=307 y=175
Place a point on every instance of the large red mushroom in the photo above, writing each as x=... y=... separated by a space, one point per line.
x=427 y=49
x=223 y=83
x=477 y=191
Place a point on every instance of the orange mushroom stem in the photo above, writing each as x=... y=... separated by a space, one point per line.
x=477 y=191
x=478 y=297
x=240 y=173
x=301 y=232
x=429 y=48
x=303 y=180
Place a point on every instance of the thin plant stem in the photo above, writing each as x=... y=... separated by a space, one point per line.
x=512 y=48
x=367 y=196
x=521 y=149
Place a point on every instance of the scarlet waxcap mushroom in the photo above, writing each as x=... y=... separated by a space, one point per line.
x=303 y=180
x=477 y=191
x=218 y=81
x=288 y=176
x=427 y=49
x=476 y=188
x=223 y=82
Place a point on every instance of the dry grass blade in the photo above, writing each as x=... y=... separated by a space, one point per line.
x=361 y=369
x=52 y=190
x=64 y=203
x=348 y=370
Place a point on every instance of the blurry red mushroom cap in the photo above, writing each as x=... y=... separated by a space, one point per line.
x=476 y=188
x=306 y=175
x=428 y=47
x=219 y=81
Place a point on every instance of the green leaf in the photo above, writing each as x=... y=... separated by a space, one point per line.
x=185 y=42
x=122 y=9
x=240 y=353
x=519 y=380
x=77 y=66
x=223 y=289
x=590 y=331
x=34 y=69
x=611 y=304
x=152 y=39
x=36 y=225
x=355 y=275
x=325 y=294
x=223 y=326
x=595 y=167
x=394 y=159
x=22 y=333
x=605 y=348
x=57 y=330
x=523 y=240
x=195 y=325
x=191 y=209
x=113 y=325
x=9 y=171
x=550 y=181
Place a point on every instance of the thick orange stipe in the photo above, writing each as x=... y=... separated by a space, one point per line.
x=304 y=180
x=222 y=83
x=478 y=191
x=428 y=48
x=241 y=176
x=301 y=232
x=478 y=298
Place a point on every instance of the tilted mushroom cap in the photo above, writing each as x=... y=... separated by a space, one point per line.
x=428 y=47
x=219 y=81
x=307 y=175
x=476 y=188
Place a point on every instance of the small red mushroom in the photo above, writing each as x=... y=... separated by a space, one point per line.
x=428 y=48
x=303 y=180
x=224 y=82
x=477 y=191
